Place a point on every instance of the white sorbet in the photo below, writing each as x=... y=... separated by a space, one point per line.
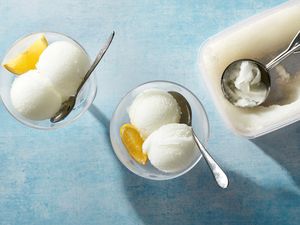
x=152 y=109
x=65 y=65
x=34 y=97
x=171 y=148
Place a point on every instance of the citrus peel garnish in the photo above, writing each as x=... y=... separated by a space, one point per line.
x=27 y=60
x=133 y=142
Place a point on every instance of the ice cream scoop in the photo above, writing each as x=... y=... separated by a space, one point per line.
x=34 y=97
x=186 y=118
x=171 y=148
x=249 y=86
x=69 y=104
x=152 y=109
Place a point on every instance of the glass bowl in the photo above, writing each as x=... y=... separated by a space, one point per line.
x=120 y=117
x=83 y=101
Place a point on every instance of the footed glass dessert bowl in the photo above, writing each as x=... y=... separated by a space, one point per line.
x=83 y=101
x=121 y=116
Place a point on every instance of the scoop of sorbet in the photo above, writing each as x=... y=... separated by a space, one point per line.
x=34 y=97
x=153 y=108
x=65 y=65
x=171 y=148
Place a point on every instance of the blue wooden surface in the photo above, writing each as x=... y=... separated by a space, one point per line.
x=71 y=175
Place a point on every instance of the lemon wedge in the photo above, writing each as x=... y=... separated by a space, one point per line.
x=26 y=60
x=133 y=142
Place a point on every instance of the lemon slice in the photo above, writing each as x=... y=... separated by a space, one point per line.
x=133 y=142
x=26 y=60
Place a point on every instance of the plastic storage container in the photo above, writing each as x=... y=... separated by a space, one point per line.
x=260 y=37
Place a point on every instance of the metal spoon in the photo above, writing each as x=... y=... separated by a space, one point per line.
x=69 y=104
x=226 y=80
x=186 y=118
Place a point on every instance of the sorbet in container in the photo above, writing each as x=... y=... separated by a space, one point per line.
x=261 y=38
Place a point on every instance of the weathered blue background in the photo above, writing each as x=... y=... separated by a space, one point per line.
x=71 y=175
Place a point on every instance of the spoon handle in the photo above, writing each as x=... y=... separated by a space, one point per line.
x=293 y=48
x=218 y=173
x=96 y=61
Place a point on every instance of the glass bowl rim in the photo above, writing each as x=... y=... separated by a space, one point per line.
x=67 y=122
x=175 y=175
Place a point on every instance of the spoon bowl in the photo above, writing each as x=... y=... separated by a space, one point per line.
x=186 y=111
x=65 y=109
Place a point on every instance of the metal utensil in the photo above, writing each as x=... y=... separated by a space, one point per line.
x=69 y=104
x=186 y=118
x=294 y=47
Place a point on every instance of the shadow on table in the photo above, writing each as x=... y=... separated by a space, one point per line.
x=102 y=119
x=195 y=199
x=284 y=147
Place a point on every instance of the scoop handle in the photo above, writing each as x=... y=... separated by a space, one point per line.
x=96 y=61
x=293 y=48
x=218 y=173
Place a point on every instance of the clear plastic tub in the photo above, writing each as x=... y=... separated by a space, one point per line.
x=260 y=37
